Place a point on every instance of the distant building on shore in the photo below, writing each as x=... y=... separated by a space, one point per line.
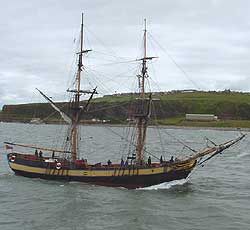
x=201 y=117
x=36 y=121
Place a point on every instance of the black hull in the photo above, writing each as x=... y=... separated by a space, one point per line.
x=129 y=177
x=130 y=182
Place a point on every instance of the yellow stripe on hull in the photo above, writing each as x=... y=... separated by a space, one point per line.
x=102 y=173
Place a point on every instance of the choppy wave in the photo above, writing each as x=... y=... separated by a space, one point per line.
x=244 y=154
x=6 y=175
x=166 y=185
x=217 y=198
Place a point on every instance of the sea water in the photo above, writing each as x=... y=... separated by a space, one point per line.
x=216 y=196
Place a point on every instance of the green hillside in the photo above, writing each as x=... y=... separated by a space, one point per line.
x=232 y=108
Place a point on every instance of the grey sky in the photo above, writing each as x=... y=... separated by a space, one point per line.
x=210 y=41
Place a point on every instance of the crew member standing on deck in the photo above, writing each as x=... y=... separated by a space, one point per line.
x=36 y=153
x=161 y=160
x=149 y=160
x=122 y=162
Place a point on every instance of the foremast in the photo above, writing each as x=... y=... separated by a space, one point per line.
x=144 y=110
x=76 y=109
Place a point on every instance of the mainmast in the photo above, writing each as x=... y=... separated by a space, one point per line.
x=76 y=102
x=143 y=114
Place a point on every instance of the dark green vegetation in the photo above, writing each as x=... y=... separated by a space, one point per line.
x=232 y=109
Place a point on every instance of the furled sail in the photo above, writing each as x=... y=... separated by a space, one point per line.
x=65 y=117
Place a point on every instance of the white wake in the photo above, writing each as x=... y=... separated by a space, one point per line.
x=166 y=185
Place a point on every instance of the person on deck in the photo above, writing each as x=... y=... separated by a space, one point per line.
x=40 y=154
x=109 y=162
x=172 y=159
x=161 y=160
x=36 y=153
x=122 y=162
x=149 y=160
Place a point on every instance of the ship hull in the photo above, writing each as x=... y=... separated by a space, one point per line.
x=130 y=177
x=130 y=182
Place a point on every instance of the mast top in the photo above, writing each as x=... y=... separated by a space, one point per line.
x=145 y=37
x=144 y=74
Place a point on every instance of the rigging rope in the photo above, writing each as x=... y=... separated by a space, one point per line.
x=176 y=64
x=129 y=141
x=179 y=141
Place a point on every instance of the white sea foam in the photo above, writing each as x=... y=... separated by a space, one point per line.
x=166 y=185
x=243 y=154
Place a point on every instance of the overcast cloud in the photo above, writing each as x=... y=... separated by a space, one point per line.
x=209 y=40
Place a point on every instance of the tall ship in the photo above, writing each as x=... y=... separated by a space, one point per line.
x=135 y=171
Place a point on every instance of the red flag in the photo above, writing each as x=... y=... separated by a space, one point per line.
x=8 y=147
